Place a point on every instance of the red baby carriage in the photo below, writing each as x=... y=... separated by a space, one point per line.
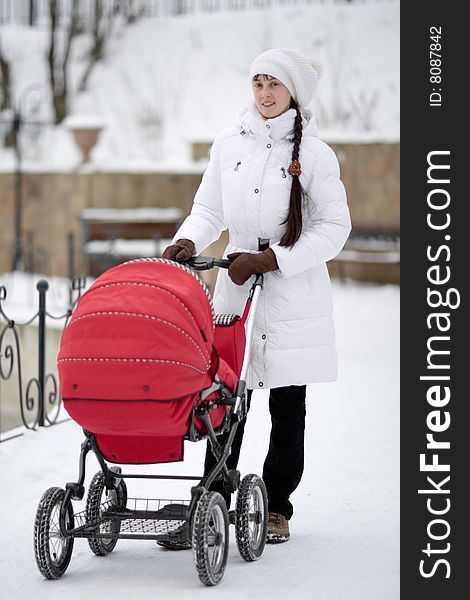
x=143 y=366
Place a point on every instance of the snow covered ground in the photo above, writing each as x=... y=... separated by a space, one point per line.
x=345 y=530
x=166 y=82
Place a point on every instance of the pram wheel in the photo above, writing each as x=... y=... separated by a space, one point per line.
x=210 y=537
x=251 y=517
x=99 y=500
x=52 y=550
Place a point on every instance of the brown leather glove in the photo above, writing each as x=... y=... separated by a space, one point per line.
x=180 y=251
x=244 y=265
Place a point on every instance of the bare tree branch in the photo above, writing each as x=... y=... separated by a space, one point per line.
x=5 y=71
x=6 y=80
x=58 y=62
x=102 y=27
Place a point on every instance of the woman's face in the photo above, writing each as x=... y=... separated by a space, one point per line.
x=272 y=98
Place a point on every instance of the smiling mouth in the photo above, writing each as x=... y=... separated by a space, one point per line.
x=267 y=104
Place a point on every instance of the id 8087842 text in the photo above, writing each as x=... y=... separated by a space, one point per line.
x=435 y=66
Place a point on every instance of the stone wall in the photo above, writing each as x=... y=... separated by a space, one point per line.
x=371 y=175
x=52 y=202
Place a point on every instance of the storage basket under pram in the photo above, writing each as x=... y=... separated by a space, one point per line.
x=145 y=365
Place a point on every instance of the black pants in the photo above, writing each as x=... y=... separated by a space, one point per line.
x=284 y=463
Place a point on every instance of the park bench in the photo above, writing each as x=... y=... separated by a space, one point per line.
x=372 y=254
x=113 y=235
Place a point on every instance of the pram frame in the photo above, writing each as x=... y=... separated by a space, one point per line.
x=231 y=478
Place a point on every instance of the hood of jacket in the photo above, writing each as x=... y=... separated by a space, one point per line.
x=250 y=121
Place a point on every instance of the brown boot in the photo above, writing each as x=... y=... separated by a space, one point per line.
x=278 y=529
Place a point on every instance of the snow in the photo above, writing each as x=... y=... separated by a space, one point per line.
x=167 y=82
x=121 y=247
x=132 y=215
x=84 y=122
x=345 y=530
x=388 y=256
x=22 y=297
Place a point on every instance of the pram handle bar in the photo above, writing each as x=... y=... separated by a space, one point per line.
x=204 y=263
x=249 y=316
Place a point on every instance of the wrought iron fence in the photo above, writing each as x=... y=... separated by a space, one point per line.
x=36 y=12
x=39 y=399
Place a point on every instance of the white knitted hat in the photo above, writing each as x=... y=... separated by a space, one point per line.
x=292 y=68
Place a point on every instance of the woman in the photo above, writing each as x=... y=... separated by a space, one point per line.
x=275 y=186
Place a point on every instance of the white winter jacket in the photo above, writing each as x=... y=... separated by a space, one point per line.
x=246 y=189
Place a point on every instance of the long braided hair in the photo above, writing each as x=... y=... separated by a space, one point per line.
x=293 y=220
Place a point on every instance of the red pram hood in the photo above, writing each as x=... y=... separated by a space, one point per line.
x=144 y=330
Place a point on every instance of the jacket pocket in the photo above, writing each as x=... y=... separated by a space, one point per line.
x=283 y=177
x=276 y=174
x=231 y=173
x=231 y=165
